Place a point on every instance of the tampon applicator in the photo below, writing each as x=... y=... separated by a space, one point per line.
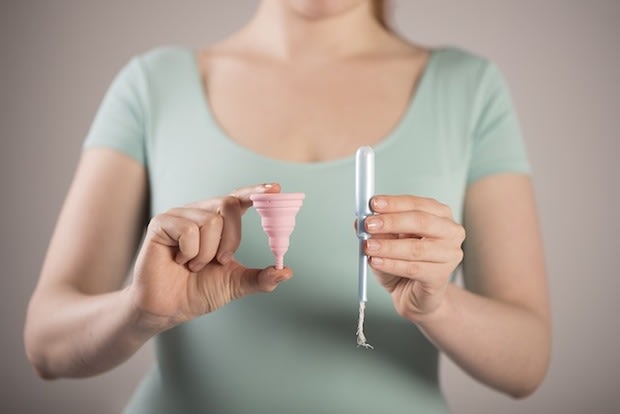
x=364 y=190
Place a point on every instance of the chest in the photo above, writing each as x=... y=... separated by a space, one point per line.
x=310 y=113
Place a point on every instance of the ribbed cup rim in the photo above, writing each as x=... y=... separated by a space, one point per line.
x=277 y=196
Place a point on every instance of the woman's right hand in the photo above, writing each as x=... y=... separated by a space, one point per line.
x=186 y=266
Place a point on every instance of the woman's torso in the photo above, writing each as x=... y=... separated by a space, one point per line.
x=294 y=350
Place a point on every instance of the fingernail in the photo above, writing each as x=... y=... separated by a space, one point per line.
x=376 y=260
x=379 y=202
x=372 y=244
x=268 y=185
x=225 y=257
x=373 y=223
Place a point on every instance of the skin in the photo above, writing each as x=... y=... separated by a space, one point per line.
x=317 y=60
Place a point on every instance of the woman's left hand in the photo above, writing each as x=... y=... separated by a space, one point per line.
x=415 y=246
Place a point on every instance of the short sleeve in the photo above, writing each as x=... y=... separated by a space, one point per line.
x=498 y=145
x=121 y=118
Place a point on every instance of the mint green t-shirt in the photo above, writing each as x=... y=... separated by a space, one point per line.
x=294 y=350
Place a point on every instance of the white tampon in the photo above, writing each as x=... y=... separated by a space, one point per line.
x=364 y=190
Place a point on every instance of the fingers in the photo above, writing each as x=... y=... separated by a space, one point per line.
x=210 y=234
x=425 y=272
x=424 y=243
x=196 y=234
x=407 y=214
x=241 y=194
x=417 y=259
x=402 y=203
x=210 y=227
x=412 y=249
x=414 y=258
x=419 y=223
x=231 y=208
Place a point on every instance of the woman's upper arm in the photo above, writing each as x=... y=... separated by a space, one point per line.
x=100 y=224
x=503 y=249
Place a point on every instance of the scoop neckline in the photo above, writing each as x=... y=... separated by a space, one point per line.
x=379 y=146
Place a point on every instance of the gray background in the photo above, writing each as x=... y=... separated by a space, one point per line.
x=561 y=58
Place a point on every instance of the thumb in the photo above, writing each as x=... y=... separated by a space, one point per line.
x=250 y=281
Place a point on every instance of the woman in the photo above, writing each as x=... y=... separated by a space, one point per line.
x=287 y=100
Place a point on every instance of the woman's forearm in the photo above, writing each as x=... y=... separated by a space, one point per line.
x=503 y=345
x=70 y=334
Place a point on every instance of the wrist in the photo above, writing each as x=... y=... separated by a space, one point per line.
x=142 y=323
x=437 y=316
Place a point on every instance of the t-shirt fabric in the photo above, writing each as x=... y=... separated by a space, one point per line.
x=294 y=350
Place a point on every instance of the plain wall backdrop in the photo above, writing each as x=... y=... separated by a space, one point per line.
x=561 y=58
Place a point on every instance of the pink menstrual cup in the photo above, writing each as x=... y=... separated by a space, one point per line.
x=277 y=212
